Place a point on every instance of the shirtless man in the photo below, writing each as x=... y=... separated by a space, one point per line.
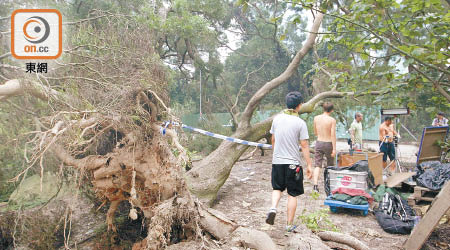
x=325 y=130
x=387 y=146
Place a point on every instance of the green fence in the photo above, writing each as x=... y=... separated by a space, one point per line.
x=371 y=122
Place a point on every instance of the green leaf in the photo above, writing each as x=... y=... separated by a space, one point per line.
x=418 y=52
x=412 y=106
x=365 y=57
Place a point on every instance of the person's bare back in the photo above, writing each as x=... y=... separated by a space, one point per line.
x=325 y=130
x=323 y=127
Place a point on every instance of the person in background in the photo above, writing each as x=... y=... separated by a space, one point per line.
x=440 y=120
x=387 y=147
x=325 y=130
x=356 y=133
x=288 y=131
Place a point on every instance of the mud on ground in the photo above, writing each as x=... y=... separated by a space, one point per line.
x=246 y=198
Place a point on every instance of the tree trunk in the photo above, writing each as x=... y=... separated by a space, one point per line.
x=208 y=175
x=206 y=178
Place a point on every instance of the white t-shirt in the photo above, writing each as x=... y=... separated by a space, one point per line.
x=437 y=122
x=356 y=127
x=288 y=131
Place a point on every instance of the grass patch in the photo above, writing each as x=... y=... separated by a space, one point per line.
x=318 y=221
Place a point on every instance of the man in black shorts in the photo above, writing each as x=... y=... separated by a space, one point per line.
x=386 y=143
x=288 y=129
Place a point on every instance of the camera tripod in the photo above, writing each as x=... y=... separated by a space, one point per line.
x=396 y=161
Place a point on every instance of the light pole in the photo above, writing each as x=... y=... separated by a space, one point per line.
x=200 y=117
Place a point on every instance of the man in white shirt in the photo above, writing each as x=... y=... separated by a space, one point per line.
x=356 y=133
x=440 y=120
x=288 y=130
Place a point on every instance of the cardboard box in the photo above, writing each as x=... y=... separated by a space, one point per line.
x=375 y=163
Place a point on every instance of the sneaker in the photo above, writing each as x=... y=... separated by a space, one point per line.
x=271 y=216
x=316 y=188
x=291 y=228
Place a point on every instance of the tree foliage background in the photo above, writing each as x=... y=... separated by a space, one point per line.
x=369 y=52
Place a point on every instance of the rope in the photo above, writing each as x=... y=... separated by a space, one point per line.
x=218 y=136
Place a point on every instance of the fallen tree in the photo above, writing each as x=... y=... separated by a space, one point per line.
x=104 y=107
x=101 y=112
x=209 y=174
x=206 y=178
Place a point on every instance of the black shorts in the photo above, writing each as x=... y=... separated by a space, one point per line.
x=388 y=149
x=283 y=176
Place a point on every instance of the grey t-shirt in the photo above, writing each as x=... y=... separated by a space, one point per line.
x=288 y=131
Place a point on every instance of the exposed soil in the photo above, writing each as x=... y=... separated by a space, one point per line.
x=246 y=198
x=439 y=239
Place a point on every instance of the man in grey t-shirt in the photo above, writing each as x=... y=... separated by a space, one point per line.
x=288 y=130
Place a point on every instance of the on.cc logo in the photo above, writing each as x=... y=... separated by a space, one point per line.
x=36 y=34
x=40 y=27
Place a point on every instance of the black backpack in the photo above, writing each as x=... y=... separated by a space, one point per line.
x=394 y=215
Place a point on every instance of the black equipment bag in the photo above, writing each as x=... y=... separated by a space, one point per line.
x=394 y=215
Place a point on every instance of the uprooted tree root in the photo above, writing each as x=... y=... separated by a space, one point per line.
x=145 y=168
x=118 y=93
x=33 y=229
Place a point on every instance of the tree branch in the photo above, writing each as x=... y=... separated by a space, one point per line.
x=290 y=70
x=16 y=87
x=323 y=69
x=5 y=55
x=244 y=86
x=436 y=84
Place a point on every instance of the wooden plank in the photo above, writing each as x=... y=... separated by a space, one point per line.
x=375 y=163
x=423 y=230
x=411 y=201
x=422 y=188
x=437 y=131
x=430 y=158
x=426 y=198
x=398 y=178
x=428 y=149
x=376 y=167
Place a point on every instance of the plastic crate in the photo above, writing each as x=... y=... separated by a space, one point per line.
x=335 y=205
x=347 y=179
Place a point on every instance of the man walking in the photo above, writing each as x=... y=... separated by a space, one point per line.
x=288 y=129
x=325 y=130
x=386 y=143
x=356 y=131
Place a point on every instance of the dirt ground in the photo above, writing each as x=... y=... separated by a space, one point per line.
x=246 y=198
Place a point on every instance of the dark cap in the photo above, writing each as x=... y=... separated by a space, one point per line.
x=293 y=99
x=441 y=113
